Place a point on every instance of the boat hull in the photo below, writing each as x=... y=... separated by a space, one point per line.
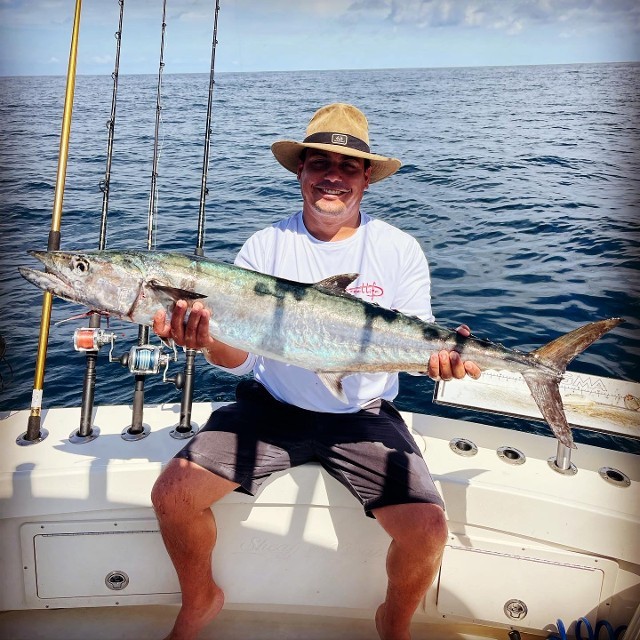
x=77 y=524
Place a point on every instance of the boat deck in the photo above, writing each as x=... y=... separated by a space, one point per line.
x=154 y=622
x=299 y=560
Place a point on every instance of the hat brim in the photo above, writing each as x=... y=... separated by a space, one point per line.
x=287 y=153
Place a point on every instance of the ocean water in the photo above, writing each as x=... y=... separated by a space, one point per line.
x=522 y=185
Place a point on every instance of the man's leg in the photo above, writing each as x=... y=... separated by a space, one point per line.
x=182 y=497
x=419 y=533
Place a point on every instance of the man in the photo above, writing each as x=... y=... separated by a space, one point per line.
x=287 y=414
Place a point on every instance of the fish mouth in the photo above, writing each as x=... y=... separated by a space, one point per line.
x=51 y=280
x=45 y=280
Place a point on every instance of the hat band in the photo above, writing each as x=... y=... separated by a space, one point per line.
x=339 y=139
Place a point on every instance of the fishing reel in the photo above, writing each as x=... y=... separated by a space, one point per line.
x=90 y=339
x=145 y=359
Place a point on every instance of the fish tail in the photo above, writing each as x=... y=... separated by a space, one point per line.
x=557 y=354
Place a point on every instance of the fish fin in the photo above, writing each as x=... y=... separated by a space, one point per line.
x=556 y=355
x=174 y=292
x=546 y=393
x=338 y=283
x=560 y=352
x=333 y=382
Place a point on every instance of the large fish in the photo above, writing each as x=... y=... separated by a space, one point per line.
x=316 y=326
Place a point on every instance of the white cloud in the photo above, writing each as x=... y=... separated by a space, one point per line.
x=281 y=34
x=512 y=16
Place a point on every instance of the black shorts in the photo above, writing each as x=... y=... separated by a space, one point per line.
x=371 y=452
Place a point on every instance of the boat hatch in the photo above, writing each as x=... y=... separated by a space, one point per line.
x=571 y=589
x=99 y=562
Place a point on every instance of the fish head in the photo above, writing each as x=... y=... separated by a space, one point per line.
x=104 y=281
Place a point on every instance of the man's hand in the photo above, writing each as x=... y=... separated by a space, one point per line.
x=192 y=334
x=447 y=365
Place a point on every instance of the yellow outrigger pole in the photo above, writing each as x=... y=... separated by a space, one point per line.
x=34 y=433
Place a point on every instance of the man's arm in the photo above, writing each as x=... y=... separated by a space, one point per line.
x=194 y=334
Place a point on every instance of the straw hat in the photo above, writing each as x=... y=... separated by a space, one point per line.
x=340 y=128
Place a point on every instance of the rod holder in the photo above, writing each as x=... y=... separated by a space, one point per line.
x=137 y=430
x=34 y=427
x=561 y=463
x=184 y=429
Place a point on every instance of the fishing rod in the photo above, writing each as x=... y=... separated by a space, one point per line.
x=138 y=430
x=35 y=432
x=105 y=184
x=90 y=341
x=204 y=191
x=184 y=428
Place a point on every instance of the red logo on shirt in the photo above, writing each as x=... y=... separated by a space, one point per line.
x=368 y=290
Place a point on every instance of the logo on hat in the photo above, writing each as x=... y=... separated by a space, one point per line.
x=339 y=138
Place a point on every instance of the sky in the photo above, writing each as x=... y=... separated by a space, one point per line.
x=265 y=35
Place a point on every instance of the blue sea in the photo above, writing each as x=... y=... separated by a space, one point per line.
x=522 y=185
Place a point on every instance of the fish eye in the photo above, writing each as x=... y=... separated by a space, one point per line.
x=80 y=264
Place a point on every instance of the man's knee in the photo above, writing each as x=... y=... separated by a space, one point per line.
x=170 y=488
x=184 y=486
x=419 y=525
x=427 y=528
